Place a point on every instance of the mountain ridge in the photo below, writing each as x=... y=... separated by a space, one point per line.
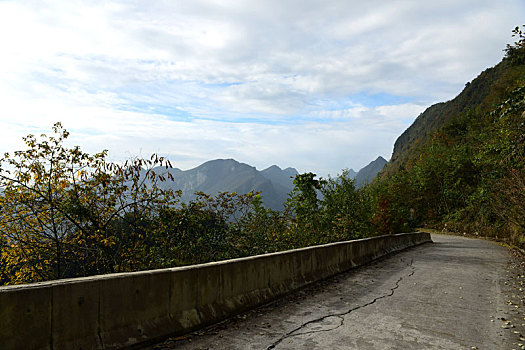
x=229 y=175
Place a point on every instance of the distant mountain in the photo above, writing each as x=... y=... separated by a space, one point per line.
x=278 y=176
x=223 y=175
x=367 y=174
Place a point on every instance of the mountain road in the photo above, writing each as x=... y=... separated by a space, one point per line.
x=454 y=293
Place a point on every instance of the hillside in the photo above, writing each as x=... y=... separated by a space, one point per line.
x=482 y=94
x=461 y=164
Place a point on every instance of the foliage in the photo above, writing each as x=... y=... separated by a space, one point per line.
x=261 y=230
x=305 y=205
x=62 y=210
x=516 y=52
x=393 y=204
x=66 y=213
x=346 y=210
x=328 y=210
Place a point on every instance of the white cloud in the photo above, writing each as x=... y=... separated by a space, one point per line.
x=320 y=86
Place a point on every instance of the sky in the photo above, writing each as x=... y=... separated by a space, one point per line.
x=320 y=86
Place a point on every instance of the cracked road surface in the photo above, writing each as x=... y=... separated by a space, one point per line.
x=455 y=293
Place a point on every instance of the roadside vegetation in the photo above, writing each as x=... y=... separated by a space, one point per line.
x=66 y=213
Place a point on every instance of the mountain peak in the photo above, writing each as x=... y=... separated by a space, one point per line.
x=380 y=159
x=291 y=171
x=352 y=173
x=281 y=177
x=369 y=172
x=273 y=168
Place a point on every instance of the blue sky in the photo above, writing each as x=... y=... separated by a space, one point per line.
x=319 y=86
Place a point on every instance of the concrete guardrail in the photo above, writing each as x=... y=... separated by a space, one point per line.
x=120 y=310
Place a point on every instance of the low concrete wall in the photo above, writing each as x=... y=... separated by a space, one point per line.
x=119 y=310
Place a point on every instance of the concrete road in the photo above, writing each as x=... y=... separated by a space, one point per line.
x=455 y=293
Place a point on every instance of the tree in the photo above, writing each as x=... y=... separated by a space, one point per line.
x=305 y=208
x=61 y=209
x=345 y=209
x=261 y=230
x=516 y=52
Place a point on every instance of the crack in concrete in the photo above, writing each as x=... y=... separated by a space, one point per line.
x=295 y=332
